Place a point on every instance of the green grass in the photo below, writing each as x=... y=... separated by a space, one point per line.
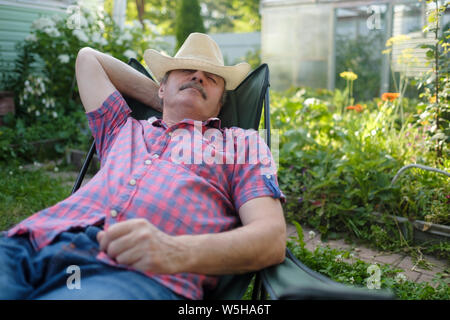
x=24 y=192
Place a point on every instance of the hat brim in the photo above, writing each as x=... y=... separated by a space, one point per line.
x=160 y=64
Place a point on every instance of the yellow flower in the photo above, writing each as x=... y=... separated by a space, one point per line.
x=433 y=99
x=397 y=39
x=348 y=75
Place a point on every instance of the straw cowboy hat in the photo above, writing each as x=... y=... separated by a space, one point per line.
x=198 y=52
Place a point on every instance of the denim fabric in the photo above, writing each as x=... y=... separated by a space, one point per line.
x=44 y=274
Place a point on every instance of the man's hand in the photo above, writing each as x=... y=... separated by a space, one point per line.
x=139 y=244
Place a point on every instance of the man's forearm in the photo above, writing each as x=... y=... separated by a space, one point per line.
x=130 y=81
x=241 y=250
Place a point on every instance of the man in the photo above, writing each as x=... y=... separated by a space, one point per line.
x=169 y=228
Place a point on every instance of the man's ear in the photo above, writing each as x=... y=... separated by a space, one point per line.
x=161 y=91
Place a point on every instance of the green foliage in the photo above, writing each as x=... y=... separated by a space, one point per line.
x=336 y=170
x=436 y=85
x=218 y=16
x=24 y=192
x=43 y=79
x=188 y=20
x=18 y=139
x=343 y=267
x=360 y=55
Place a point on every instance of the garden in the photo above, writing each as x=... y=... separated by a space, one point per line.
x=340 y=151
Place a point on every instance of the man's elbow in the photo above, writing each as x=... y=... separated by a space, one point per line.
x=278 y=246
x=281 y=248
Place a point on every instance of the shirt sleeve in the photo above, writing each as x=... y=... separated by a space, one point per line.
x=254 y=174
x=106 y=122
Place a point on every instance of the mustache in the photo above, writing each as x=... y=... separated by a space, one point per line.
x=195 y=85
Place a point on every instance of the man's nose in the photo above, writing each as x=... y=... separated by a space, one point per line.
x=198 y=76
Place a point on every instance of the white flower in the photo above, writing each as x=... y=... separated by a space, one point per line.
x=10 y=173
x=399 y=278
x=52 y=32
x=63 y=58
x=126 y=36
x=54 y=114
x=83 y=21
x=311 y=101
x=56 y=169
x=20 y=167
x=311 y=234
x=31 y=37
x=37 y=113
x=337 y=117
x=129 y=54
x=80 y=35
x=338 y=258
x=97 y=37
x=43 y=23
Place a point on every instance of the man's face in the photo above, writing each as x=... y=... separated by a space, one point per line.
x=192 y=94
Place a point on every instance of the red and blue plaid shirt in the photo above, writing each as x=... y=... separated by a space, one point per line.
x=151 y=171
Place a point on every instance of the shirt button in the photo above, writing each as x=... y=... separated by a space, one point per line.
x=113 y=213
x=268 y=176
x=155 y=156
x=170 y=134
x=148 y=161
x=132 y=182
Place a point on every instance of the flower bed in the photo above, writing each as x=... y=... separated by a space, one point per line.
x=337 y=164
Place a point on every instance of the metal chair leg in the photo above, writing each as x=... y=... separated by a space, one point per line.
x=84 y=168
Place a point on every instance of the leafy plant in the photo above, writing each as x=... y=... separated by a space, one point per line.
x=336 y=170
x=360 y=55
x=43 y=79
x=435 y=84
x=342 y=266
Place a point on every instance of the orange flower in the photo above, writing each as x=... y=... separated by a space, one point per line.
x=390 y=96
x=433 y=99
x=357 y=108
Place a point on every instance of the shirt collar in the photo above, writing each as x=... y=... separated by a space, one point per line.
x=211 y=122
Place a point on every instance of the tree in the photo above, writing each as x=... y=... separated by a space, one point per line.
x=188 y=20
x=218 y=15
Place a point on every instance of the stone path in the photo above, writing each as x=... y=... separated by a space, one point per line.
x=411 y=271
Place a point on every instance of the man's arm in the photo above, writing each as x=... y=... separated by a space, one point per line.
x=259 y=243
x=99 y=75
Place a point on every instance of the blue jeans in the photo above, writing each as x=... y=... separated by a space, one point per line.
x=46 y=274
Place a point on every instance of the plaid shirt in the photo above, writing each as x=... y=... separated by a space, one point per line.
x=151 y=171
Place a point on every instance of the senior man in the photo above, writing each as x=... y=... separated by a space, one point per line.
x=147 y=226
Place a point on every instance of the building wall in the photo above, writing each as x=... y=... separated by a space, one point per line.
x=295 y=43
x=297 y=37
x=16 y=18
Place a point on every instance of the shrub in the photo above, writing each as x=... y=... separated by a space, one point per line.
x=44 y=83
x=336 y=169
